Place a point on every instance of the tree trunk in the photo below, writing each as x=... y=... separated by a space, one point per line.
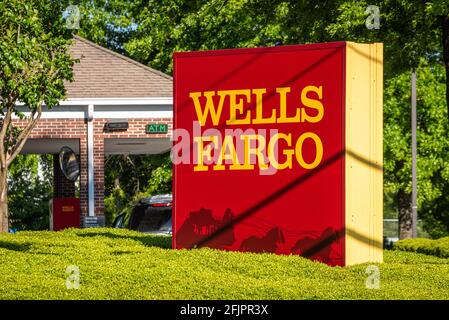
x=405 y=214
x=445 y=40
x=4 y=227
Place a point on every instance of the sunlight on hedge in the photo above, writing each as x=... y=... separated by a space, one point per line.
x=437 y=247
x=122 y=264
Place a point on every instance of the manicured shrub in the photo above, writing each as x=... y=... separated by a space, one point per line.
x=123 y=264
x=437 y=247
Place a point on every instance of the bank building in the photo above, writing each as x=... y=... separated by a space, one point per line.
x=114 y=106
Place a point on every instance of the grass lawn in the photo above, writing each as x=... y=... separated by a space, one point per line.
x=120 y=264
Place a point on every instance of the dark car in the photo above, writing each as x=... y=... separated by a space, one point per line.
x=149 y=215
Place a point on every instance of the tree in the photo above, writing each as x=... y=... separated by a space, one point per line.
x=34 y=62
x=128 y=178
x=30 y=190
x=107 y=23
x=150 y=30
x=410 y=30
x=433 y=146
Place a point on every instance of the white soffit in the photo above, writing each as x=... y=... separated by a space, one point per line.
x=120 y=112
x=136 y=146
x=111 y=108
x=49 y=146
x=118 y=101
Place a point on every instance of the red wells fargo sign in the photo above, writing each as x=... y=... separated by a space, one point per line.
x=270 y=146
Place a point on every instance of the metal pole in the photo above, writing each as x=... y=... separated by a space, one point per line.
x=414 y=178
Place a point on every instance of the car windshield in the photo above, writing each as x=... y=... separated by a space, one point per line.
x=151 y=219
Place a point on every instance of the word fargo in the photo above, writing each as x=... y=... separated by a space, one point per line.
x=279 y=150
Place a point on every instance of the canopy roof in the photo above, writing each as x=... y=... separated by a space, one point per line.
x=102 y=73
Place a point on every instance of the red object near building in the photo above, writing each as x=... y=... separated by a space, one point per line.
x=65 y=213
x=261 y=152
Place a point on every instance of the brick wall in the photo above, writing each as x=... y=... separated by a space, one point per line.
x=66 y=129
x=62 y=187
x=136 y=129
x=77 y=129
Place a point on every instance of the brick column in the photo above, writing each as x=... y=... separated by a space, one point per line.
x=97 y=220
x=62 y=187
x=83 y=177
x=99 y=178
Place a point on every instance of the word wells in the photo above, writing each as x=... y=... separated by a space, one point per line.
x=230 y=132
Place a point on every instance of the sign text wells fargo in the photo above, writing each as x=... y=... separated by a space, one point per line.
x=280 y=150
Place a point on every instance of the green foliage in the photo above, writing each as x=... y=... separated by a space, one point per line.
x=34 y=64
x=114 y=204
x=30 y=192
x=161 y=178
x=437 y=247
x=432 y=139
x=34 y=57
x=131 y=173
x=107 y=23
x=410 y=30
x=122 y=264
x=129 y=178
x=150 y=31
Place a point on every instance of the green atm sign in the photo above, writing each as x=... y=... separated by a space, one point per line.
x=156 y=128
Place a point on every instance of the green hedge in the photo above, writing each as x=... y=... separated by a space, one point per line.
x=121 y=264
x=437 y=247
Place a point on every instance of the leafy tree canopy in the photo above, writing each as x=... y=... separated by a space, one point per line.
x=34 y=63
x=151 y=30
